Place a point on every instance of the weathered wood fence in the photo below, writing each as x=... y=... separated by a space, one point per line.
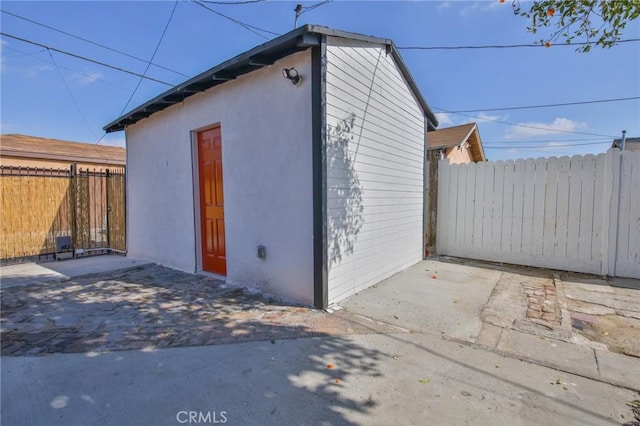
x=578 y=214
x=38 y=205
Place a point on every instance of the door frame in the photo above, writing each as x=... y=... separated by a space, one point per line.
x=196 y=198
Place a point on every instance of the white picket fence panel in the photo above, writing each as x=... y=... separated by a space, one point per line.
x=577 y=214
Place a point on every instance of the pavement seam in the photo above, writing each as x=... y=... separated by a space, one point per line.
x=565 y=315
x=499 y=339
x=404 y=330
x=542 y=363
x=595 y=356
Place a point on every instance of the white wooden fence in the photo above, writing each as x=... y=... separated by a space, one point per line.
x=577 y=214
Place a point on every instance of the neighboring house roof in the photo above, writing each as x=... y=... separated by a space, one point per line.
x=23 y=146
x=630 y=144
x=264 y=55
x=456 y=136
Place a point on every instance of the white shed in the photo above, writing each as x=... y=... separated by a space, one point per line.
x=309 y=190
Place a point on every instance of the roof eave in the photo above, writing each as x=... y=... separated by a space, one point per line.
x=263 y=55
x=252 y=59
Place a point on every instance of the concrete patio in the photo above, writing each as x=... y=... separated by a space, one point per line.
x=446 y=342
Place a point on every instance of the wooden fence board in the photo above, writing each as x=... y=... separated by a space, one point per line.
x=518 y=205
x=574 y=212
x=470 y=204
x=580 y=214
x=498 y=206
x=487 y=207
x=600 y=212
x=461 y=207
x=478 y=213
x=587 y=206
x=538 y=206
x=562 y=208
x=507 y=221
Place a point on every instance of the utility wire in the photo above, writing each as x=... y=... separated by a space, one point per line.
x=301 y=10
x=84 y=58
x=91 y=42
x=164 y=31
x=505 y=46
x=548 y=146
x=233 y=2
x=546 y=141
x=548 y=129
x=548 y=105
x=70 y=94
x=244 y=25
x=22 y=54
x=306 y=9
x=33 y=55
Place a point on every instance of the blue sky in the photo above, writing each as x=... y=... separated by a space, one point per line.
x=52 y=95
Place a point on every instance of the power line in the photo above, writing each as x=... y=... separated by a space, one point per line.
x=301 y=10
x=306 y=9
x=70 y=94
x=505 y=46
x=84 y=58
x=549 y=105
x=549 y=146
x=548 y=129
x=22 y=54
x=545 y=141
x=90 y=42
x=233 y=2
x=244 y=25
x=164 y=31
x=33 y=55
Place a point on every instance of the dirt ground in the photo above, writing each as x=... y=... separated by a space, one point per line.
x=605 y=310
x=620 y=334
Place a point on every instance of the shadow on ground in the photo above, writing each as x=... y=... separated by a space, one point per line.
x=150 y=307
x=341 y=377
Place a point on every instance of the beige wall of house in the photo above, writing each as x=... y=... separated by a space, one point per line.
x=459 y=155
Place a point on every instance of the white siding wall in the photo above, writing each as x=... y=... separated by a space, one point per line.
x=266 y=149
x=375 y=155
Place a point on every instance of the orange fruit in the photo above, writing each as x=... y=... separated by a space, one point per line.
x=551 y=11
x=330 y=366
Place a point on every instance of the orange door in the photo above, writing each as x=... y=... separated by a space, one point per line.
x=214 y=256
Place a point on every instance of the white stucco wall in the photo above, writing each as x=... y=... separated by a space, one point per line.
x=375 y=175
x=266 y=150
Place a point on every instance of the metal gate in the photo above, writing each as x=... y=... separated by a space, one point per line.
x=39 y=205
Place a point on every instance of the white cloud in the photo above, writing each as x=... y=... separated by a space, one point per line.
x=3 y=42
x=444 y=5
x=86 y=79
x=444 y=118
x=484 y=117
x=36 y=70
x=528 y=129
